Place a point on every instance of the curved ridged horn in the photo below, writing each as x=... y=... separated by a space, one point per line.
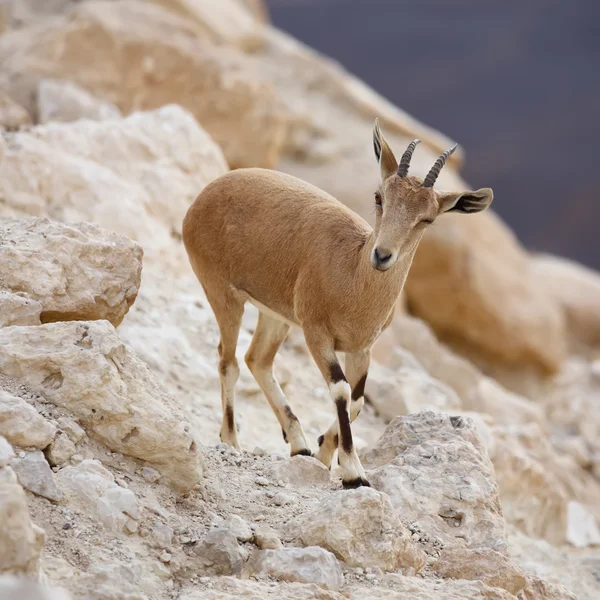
x=437 y=167
x=405 y=160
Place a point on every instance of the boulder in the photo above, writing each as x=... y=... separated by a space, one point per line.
x=22 y=425
x=18 y=309
x=301 y=471
x=141 y=56
x=227 y=22
x=92 y=488
x=85 y=368
x=361 y=528
x=240 y=528
x=12 y=115
x=437 y=473
x=305 y=565
x=136 y=176
x=218 y=554
x=267 y=538
x=576 y=289
x=80 y=271
x=537 y=589
x=14 y=587
x=35 y=475
x=65 y=101
x=487 y=565
x=60 y=450
x=21 y=540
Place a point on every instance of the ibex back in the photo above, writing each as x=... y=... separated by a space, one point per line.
x=303 y=258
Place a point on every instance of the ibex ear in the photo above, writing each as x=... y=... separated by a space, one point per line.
x=466 y=202
x=383 y=153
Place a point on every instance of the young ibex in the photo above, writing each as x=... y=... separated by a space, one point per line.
x=303 y=258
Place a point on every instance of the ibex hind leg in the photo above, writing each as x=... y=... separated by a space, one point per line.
x=268 y=337
x=229 y=309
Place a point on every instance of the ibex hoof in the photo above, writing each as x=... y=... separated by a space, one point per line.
x=352 y=484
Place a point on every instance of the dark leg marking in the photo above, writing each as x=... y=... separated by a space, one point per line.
x=321 y=440
x=284 y=435
x=290 y=414
x=359 y=389
x=344 y=421
x=303 y=452
x=230 y=418
x=335 y=373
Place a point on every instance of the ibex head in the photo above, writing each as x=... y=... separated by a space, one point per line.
x=406 y=205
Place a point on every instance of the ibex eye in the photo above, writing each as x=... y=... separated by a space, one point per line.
x=378 y=198
x=427 y=221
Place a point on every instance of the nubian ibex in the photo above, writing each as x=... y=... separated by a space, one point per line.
x=303 y=258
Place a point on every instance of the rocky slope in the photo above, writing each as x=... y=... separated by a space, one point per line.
x=113 y=484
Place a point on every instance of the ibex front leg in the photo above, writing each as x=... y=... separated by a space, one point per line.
x=321 y=347
x=357 y=367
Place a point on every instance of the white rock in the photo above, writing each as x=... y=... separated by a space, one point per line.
x=17 y=309
x=582 y=528
x=267 y=538
x=21 y=541
x=71 y=428
x=150 y=475
x=302 y=471
x=13 y=587
x=66 y=101
x=35 y=475
x=240 y=528
x=361 y=528
x=22 y=425
x=80 y=272
x=218 y=554
x=92 y=487
x=436 y=471
x=305 y=565
x=6 y=452
x=85 y=368
x=60 y=450
x=162 y=535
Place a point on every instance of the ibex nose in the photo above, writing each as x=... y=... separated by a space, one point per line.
x=381 y=257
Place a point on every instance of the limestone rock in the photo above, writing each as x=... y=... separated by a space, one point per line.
x=219 y=554
x=228 y=22
x=406 y=390
x=485 y=565
x=305 y=565
x=85 y=368
x=229 y=588
x=437 y=473
x=12 y=115
x=80 y=271
x=136 y=176
x=22 y=425
x=13 y=587
x=66 y=101
x=361 y=528
x=110 y=582
x=302 y=470
x=399 y=587
x=21 y=540
x=60 y=450
x=473 y=298
x=35 y=475
x=17 y=309
x=239 y=528
x=537 y=589
x=143 y=57
x=6 y=452
x=267 y=538
x=582 y=528
x=71 y=428
x=577 y=291
x=92 y=487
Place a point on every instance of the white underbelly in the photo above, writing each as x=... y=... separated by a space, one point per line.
x=271 y=313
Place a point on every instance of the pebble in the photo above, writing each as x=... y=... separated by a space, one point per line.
x=262 y=481
x=165 y=557
x=150 y=475
x=76 y=458
x=281 y=499
x=258 y=451
x=370 y=576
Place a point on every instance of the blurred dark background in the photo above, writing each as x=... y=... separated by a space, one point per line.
x=516 y=83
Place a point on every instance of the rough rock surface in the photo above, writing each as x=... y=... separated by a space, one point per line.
x=141 y=56
x=92 y=487
x=305 y=565
x=360 y=528
x=15 y=587
x=437 y=473
x=219 y=554
x=85 y=368
x=34 y=474
x=65 y=101
x=12 y=115
x=302 y=470
x=21 y=540
x=80 y=271
x=22 y=425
